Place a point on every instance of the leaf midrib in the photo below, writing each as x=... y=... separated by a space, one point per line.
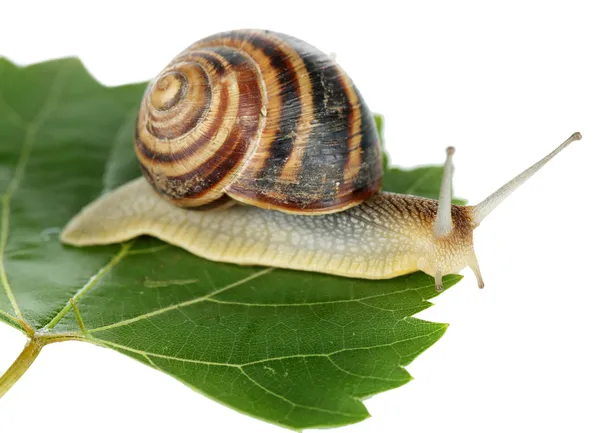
x=264 y=360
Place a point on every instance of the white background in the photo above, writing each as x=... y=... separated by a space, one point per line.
x=504 y=84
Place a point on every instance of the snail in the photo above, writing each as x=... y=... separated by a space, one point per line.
x=257 y=149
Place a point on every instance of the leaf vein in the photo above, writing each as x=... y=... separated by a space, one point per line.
x=317 y=409
x=150 y=250
x=261 y=361
x=240 y=367
x=13 y=116
x=14 y=322
x=343 y=370
x=91 y=283
x=26 y=148
x=418 y=182
x=182 y=304
x=150 y=361
x=308 y=304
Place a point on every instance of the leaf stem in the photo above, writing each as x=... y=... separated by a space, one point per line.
x=21 y=365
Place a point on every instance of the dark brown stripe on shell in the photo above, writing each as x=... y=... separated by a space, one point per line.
x=198 y=181
x=292 y=205
x=370 y=174
x=289 y=91
x=328 y=153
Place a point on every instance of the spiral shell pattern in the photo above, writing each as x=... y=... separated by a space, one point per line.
x=262 y=118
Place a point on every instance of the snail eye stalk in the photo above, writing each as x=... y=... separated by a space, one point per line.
x=483 y=209
x=443 y=220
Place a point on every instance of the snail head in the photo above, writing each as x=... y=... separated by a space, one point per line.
x=452 y=230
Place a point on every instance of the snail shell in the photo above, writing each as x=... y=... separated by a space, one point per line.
x=262 y=118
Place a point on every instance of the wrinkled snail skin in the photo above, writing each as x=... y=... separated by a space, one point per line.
x=263 y=118
x=386 y=236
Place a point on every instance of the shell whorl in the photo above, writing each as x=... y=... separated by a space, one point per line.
x=260 y=117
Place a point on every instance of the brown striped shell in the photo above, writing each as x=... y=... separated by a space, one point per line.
x=262 y=118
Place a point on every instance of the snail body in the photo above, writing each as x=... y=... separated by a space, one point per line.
x=383 y=237
x=257 y=149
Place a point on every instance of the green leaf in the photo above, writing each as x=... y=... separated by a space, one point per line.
x=293 y=348
x=422 y=181
x=379 y=125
